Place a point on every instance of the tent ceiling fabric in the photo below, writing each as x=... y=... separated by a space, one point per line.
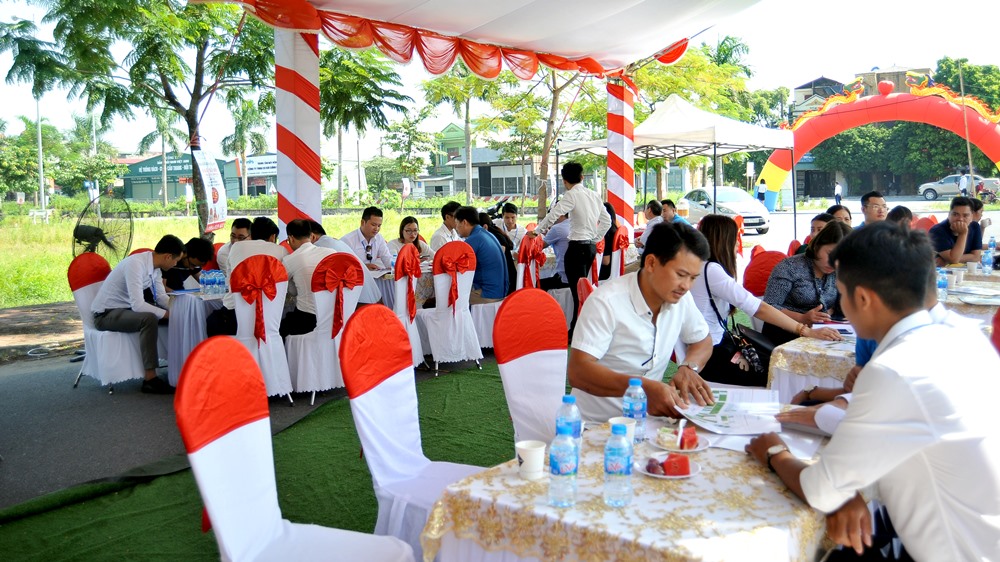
x=677 y=129
x=596 y=36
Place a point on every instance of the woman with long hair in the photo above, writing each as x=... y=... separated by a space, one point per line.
x=719 y=278
x=409 y=233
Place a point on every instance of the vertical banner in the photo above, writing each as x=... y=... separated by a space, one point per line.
x=215 y=189
x=621 y=157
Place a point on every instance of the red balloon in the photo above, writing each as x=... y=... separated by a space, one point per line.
x=886 y=87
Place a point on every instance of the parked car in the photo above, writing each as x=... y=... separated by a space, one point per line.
x=948 y=186
x=731 y=201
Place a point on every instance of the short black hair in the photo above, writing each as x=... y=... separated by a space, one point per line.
x=449 y=208
x=572 y=172
x=199 y=249
x=666 y=238
x=825 y=217
x=977 y=203
x=263 y=228
x=832 y=233
x=892 y=261
x=242 y=222
x=317 y=228
x=467 y=214
x=509 y=208
x=834 y=208
x=655 y=207
x=298 y=229
x=960 y=201
x=484 y=219
x=170 y=244
x=869 y=195
x=669 y=203
x=900 y=215
x=370 y=212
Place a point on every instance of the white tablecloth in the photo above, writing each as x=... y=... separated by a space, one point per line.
x=806 y=362
x=186 y=329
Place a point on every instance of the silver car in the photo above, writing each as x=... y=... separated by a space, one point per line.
x=948 y=186
x=731 y=201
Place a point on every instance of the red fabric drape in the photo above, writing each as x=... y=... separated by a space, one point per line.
x=374 y=347
x=337 y=272
x=739 y=233
x=454 y=258
x=86 y=269
x=524 y=308
x=531 y=251
x=254 y=278
x=595 y=269
x=408 y=265
x=621 y=244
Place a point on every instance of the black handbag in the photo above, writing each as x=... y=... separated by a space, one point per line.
x=753 y=346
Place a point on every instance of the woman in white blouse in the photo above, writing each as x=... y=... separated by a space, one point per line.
x=409 y=233
x=719 y=276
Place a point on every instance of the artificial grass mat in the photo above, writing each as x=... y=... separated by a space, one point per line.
x=321 y=479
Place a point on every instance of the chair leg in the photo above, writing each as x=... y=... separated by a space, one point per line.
x=312 y=400
x=435 y=368
x=111 y=389
x=478 y=364
x=79 y=376
x=291 y=403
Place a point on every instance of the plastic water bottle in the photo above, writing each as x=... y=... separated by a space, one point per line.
x=942 y=285
x=569 y=415
x=987 y=262
x=634 y=406
x=617 y=468
x=564 y=459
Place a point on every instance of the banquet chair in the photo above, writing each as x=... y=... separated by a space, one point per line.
x=378 y=372
x=530 y=260
x=583 y=290
x=925 y=223
x=213 y=263
x=759 y=269
x=618 y=253
x=312 y=358
x=405 y=305
x=995 y=337
x=532 y=363
x=111 y=357
x=447 y=329
x=223 y=418
x=161 y=339
x=260 y=283
x=595 y=267
x=756 y=250
x=793 y=246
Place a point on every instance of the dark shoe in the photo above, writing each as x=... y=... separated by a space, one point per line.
x=156 y=385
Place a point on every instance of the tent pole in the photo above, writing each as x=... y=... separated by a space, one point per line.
x=645 y=172
x=795 y=213
x=715 y=176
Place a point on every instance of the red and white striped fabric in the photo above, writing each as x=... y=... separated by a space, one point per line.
x=296 y=80
x=532 y=362
x=223 y=418
x=621 y=160
x=261 y=283
x=530 y=260
x=448 y=330
x=408 y=273
x=378 y=373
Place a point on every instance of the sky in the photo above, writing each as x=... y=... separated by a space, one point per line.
x=790 y=43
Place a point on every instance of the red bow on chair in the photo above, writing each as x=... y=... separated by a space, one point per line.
x=454 y=258
x=337 y=272
x=255 y=278
x=621 y=243
x=408 y=265
x=595 y=269
x=531 y=251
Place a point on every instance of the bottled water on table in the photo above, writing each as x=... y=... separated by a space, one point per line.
x=568 y=414
x=942 y=284
x=987 y=262
x=564 y=459
x=617 y=468
x=634 y=406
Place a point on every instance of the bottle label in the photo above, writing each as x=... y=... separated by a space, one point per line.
x=635 y=409
x=617 y=464
x=563 y=461
x=575 y=426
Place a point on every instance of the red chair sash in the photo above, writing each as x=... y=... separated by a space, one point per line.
x=255 y=278
x=531 y=251
x=595 y=269
x=454 y=258
x=408 y=265
x=739 y=234
x=621 y=243
x=337 y=272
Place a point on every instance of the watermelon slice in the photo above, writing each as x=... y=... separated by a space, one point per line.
x=689 y=439
x=677 y=465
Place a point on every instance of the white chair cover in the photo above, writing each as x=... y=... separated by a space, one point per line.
x=449 y=333
x=399 y=307
x=378 y=373
x=564 y=298
x=223 y=418
x=270 y=353
x=533 y=271
x=483 y=317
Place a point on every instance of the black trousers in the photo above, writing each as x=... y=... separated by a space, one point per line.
x=578 y=261
x=549 y=283
x=296 y=323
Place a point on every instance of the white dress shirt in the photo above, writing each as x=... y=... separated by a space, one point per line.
x=370 y=293
x=124 y=285
x=380 y=254
x=588 y=219
x=222 y=258
x=515 y=235
x=725 y=291
x=922 y=427
x=649 y=228
x=426 y=253
x=243 y=250
x=442 y=236
x=300 y=266
x=616 y=327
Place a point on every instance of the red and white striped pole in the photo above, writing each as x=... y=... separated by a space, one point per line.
x=621 y=160
x=296 y=77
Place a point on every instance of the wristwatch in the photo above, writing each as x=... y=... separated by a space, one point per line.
x=775 y=450
x=690 y=365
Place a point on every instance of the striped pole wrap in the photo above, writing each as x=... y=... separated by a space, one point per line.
x=296 y=77
x=621 y=160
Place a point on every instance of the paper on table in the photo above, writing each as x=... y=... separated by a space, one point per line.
x=376 y=273
x=978 y=291
x=802 y=445
x=191 y=283
x=737 y=412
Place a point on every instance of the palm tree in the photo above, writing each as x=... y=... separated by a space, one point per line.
x=355 y=90
x=247 y=117
x=166 y=133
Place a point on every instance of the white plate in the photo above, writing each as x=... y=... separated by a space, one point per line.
x=640 y=466
x=703 y=443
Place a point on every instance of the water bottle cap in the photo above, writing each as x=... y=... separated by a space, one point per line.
x=569 y=399
x=635 y=382
x=564 y=430
x=618 y=429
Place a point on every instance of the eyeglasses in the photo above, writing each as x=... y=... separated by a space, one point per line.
x=877 y=207
x=368 y=252
x=411 y=231
x=238 y=237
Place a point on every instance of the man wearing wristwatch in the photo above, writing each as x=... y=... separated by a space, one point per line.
x=630 y=326
x=918 y=428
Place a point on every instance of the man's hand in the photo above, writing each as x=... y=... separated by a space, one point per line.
x=759 y=445
x=959 y=227
x=661 y=400
x=532 y=233
x=686 y=381
x=852 y=377
x=166 y=315
x=801 y=416
x=851 y=525
x=371 y=266
x=816 y=315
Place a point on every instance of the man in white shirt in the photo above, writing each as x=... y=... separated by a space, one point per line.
x=630 y=326
x=367 y=243
x=120 y=307
x=370 y=293
x=238 y=232
x=653 y=213
x=446 y=233
x=300 y=265
x=588 y=221
x=838 y=192
x=920 y=428
x=508 y=224
x=263 y=241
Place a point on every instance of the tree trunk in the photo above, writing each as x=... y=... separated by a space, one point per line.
x=550 y=133
x=340 y=166
x=468 y=154
x=163 y=165
x=660 y=190
x=197 y=183
x=243 y=175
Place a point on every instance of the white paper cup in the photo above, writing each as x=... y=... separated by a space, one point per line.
x=530 y=459
x=971 y=267
x=959 y=276
x=629 y=424
x=951 y=281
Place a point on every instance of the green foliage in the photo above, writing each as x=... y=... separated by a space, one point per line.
x=410 y=143
x=382 y=173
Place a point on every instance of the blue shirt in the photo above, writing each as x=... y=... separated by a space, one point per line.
x=942 y=238
x=491 y=269
x=680 y=219
x=863 y=351
x=558 y=238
